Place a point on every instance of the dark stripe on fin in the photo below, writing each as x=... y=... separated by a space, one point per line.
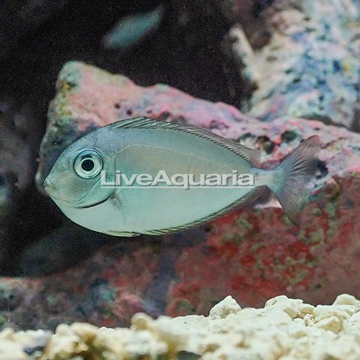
x=246 y=200
x=122 y=233
x=251 y=155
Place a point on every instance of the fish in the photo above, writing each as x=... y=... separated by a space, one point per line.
x=134 y=28
x=116 y=153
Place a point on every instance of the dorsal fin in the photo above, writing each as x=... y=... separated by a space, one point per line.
x=250 y=155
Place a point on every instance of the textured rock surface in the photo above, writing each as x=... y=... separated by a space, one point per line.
x=105 y=290
x=250 y=254
x=22 y=345
x=310 y=65
x=285 y=329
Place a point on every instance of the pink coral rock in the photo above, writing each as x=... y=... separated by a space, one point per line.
x=250 y=254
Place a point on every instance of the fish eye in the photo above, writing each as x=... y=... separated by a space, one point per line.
x=88 y=164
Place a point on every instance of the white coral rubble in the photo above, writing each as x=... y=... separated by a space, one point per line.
x=285 y=329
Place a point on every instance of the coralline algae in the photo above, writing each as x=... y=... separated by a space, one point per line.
x=284 y=329
x=252 y=254
x=310 y=66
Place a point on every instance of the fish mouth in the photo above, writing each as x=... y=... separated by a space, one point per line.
x=51 y=190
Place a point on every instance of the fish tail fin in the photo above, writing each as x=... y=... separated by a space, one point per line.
x=291 y=177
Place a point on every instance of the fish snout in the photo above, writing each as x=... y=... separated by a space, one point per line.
x=51 y=189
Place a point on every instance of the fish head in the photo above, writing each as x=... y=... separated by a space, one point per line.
x=75 y=180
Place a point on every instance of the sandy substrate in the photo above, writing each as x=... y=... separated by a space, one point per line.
x=285 y=329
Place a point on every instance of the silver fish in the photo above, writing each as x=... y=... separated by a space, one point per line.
x=145 y=146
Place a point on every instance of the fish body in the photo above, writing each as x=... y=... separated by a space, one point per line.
x=145 y=146
x=134 y=28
